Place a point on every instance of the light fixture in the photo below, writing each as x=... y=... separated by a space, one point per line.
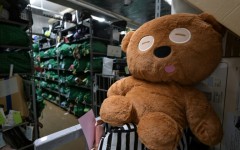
x=67 y=10
x=169 y=2
x=32 y=1
x=98 y=18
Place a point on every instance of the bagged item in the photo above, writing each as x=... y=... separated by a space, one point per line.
x=21 y=62
x=99 y=46
x=12 y=35
x=97 y=64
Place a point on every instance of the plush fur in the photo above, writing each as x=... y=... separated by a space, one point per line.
x=160 y=96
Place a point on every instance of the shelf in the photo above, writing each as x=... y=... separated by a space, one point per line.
x=48 y=57
x=11 y=127
x=46 y=79
x=42 y=49
x=102 y=39
x=53 y=91
x=103 y=90
x=15 y=47
x=80 y=86
x=19 y=24
x=99 y=53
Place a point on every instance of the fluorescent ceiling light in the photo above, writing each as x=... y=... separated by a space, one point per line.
x=66 y=11
x=169 y=2
x=32 y=1
x=98 y=18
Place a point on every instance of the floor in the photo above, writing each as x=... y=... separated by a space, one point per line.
x=55 y=119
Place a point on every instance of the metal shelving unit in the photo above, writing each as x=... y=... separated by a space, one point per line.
x=25 y=25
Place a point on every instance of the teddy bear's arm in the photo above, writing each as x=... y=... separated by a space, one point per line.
x=116 y=109
x=121 y=87
x=202 y=119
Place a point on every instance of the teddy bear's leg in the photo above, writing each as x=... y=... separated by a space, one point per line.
x=159 y=131
x=116 y=110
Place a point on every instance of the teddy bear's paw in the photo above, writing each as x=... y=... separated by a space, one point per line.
x=159 y=131
x=116 y=110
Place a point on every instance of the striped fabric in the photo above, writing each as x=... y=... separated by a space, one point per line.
x=126 y=138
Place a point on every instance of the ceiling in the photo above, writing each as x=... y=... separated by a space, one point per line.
x=135 y=13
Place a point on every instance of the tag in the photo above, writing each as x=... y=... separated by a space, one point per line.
x=29 y=133
x=17 y=117
x=2 y=142
x=2 y=117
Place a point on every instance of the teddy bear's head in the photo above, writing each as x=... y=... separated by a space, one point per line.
x=182 y=48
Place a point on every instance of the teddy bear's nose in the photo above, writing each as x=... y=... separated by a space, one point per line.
x=162 y=51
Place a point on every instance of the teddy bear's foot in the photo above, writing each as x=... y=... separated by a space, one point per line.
x=159 y=131
x=116 y=110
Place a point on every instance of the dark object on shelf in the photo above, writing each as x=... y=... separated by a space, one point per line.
x=12 y=35
x=15 y=8
x=122 y=24
x=101 y=29
x=15 y=138
x=67 y=17
x=56 y=26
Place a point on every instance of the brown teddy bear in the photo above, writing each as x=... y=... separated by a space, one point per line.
x=167 y=57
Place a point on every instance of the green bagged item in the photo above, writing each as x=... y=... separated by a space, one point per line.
x=70 y=80
x=74 y=92
x=43 y=84
x=65 y=50
x=52 y=63
x=41 y=54
x=99 y=46
x=97 y=63
x=79 y=98
x=44 y=95
x=21 y=62
x=39 y=91
x=76 y=51
x=39 y=98
x=87 y=98
x=80 y=65
x=66 y=63
x=87 y=81
x=78 y=110
x=62 y=79
x=64 y=90
x=35 y=47
x=12 y=35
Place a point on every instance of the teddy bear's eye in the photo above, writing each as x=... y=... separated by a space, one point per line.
x=146 y=43
x=180 y=35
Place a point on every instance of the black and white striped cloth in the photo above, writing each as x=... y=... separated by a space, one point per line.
x=126 y=138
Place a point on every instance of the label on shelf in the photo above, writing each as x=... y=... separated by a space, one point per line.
x=8 y=87
x=29 y=133
x=114 y=51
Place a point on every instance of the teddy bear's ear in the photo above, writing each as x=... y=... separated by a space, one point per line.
x=126 y=40
x=212 y=21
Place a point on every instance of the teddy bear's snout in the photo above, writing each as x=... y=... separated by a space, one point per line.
x=162 y=51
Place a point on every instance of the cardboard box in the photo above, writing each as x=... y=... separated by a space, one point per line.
x=227 y=12
x=223 y=90
x=12 y=95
